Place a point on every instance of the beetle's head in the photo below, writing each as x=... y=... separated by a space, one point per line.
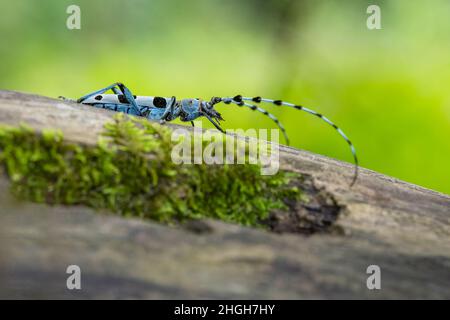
x=202 y=108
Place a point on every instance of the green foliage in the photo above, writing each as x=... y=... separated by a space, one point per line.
x=130 y=172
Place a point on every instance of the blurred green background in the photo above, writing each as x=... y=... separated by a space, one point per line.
x=388 y=89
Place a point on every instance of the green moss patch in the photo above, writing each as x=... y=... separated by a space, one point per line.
x=130 y=172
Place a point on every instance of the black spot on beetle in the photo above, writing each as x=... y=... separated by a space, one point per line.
x=159 y=102
x=253 y=107
x=123 y=99
x=298 y=107
x=99 y=97
x=257 y=99
x=278 y=102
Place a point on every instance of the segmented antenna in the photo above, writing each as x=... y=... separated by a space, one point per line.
x=271 y=116
x=240 y=101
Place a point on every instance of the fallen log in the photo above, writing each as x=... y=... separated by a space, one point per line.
x=400 y=227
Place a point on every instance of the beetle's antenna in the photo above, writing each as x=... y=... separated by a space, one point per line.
x=240 y=100
x=271 y=116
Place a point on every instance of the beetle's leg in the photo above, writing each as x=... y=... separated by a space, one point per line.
x=115 y=90
x=101 y=91
x=125 y=91
x=213 y=122
x=169 y=112
x=129 y=97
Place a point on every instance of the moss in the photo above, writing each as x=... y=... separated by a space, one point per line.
x=130 y=172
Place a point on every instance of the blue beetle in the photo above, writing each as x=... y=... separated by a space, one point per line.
x=168 y=109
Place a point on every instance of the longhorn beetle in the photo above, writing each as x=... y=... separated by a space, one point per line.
x=168 y=109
